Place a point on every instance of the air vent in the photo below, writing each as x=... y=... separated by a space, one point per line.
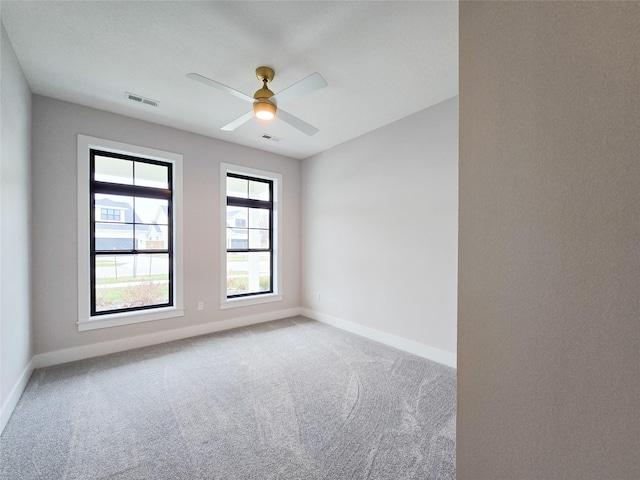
x=271 y=137
x=141 y=99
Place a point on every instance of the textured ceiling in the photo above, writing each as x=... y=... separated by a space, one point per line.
x=382 y=61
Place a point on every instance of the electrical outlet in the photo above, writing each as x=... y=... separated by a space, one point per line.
x=317 y=296
x=200 y=305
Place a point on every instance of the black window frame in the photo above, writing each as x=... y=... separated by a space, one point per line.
x=253 y=203
x=108 y=188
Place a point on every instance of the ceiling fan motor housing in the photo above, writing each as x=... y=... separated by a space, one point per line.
x=263 y=93
x=265 y=75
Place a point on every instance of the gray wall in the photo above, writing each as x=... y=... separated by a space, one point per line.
x=55 y=128
x=380 y=229
x=549 y=241
x=15 y=213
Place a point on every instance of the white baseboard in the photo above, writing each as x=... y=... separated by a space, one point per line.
x=97 y=349
x=16 y=392
x=420 y=349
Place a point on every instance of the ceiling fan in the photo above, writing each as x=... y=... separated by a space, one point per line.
x=265 y=102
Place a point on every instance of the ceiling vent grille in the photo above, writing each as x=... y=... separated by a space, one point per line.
x=271 y=137
x=141 y=99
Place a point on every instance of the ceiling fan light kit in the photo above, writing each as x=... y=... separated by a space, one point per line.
x=264 y=109
x=265 y=101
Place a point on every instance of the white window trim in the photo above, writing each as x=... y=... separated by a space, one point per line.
x=85 y=320
x=277 y=295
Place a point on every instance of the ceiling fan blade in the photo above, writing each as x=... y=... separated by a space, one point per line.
x=237 y=122
x=295 y=122
x=307 y=85
x=219 y=86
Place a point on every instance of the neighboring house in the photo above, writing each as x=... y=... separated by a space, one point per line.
x=238 y=229
x=115 y=223
x=236 y=222
x=158 y=230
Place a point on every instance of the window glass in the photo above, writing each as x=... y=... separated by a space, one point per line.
x=248 y=272
x=151 y=175
x=259 y=218
x=113 y=170
x=131 y=281
x=152 y=237
x=258 y=239
x=237 y=216
x=259 y=190
x=237 y=187
x=151 y=210
x=106 y=203
x=113 y=236
x=237 y=238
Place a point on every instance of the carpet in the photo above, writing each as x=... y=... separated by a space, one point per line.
x=289 y=399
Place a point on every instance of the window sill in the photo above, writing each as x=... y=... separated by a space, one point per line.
x=119 y=319
x=247 y=301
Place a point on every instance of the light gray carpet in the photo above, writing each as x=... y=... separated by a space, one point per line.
x=291 y=399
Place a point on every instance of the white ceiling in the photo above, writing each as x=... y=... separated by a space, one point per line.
x=382 y=61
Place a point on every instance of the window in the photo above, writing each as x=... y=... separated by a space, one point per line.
x=129 y=270
x=251 y=252
x=110 y=214
x=249 y=237
x=129 y=250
